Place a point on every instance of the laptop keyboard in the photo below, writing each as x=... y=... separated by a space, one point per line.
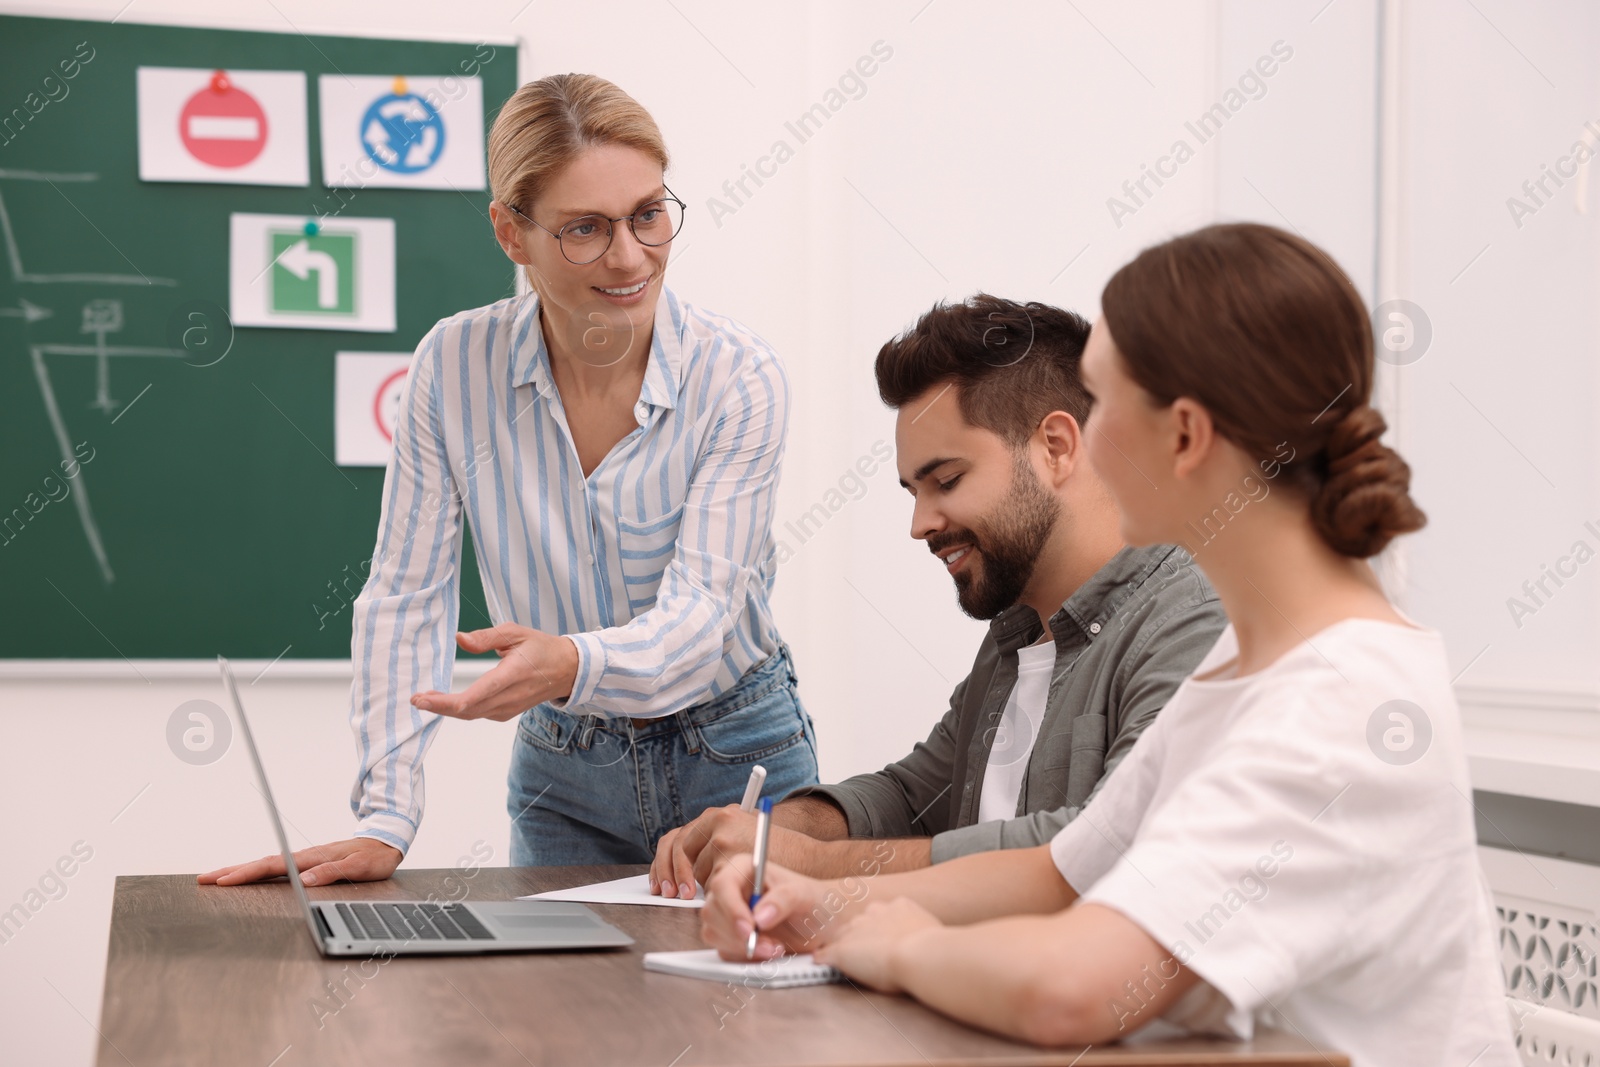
x=413 y=922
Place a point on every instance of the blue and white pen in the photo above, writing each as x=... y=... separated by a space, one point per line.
x=763 y=831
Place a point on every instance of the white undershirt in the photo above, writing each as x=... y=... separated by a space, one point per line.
x=1014 y=736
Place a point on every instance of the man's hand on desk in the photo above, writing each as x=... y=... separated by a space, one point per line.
x=809 y=835
x=360 y=859
x=692 y=852
x=534 y=667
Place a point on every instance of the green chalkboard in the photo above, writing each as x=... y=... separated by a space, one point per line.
x=158 y=502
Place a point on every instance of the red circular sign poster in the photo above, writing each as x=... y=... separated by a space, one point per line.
x=386 y=402
x=223 y=127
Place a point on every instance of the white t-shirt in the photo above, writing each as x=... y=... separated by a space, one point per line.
x=1018 y=729
x=1307 y=874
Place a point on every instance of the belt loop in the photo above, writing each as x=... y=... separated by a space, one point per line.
x=586 y=728
x=691 y=735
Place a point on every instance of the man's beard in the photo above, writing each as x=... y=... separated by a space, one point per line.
x=1008 y=539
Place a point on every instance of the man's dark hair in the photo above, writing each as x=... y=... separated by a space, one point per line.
x=1011 y=364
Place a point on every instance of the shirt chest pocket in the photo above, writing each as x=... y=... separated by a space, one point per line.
x=645 y=549
x=1083 y=733
x=1073 y=759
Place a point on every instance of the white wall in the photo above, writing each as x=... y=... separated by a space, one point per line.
x=1498 y=416
x=1500 y=413
x=981 y=155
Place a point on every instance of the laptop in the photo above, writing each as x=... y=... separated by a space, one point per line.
x=427 y=927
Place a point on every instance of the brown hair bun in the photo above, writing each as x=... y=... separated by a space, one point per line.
x=1364 y=501
x=1266 y=331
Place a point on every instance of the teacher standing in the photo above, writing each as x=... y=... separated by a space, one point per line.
x=615 y=452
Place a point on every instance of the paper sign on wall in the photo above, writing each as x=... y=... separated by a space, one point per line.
x=332 y=275
x=367 y=388
x=245 y=127
x=420 y=133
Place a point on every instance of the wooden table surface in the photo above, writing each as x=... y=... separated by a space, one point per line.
x=208 y=975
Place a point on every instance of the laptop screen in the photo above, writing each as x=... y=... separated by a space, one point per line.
x=272 y=809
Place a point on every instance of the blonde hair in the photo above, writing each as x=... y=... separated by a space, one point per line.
x=546 y=123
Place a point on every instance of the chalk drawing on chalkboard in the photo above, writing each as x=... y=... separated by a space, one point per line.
x=26 y=310
x=101 y=316
x=14 y=252
x=58 y=424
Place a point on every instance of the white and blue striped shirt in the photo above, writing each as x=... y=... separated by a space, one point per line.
x=658 y=565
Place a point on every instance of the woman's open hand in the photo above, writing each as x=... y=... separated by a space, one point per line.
x=534 y=667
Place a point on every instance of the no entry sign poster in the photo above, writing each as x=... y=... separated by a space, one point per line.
x=246 y=127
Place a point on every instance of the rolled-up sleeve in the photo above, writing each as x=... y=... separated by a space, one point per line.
x=908 y=798
x=405 y=617
x=1025 y=831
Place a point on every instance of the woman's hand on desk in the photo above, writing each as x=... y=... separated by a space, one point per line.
x=534 y=667
x=360 y=859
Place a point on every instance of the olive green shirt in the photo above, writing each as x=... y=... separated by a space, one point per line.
x=1124 y=641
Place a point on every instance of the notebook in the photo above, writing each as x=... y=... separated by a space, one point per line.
x=780 y=973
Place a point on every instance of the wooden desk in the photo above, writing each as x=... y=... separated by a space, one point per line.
x=207 y=975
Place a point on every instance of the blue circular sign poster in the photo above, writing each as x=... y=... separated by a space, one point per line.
x=402 y=133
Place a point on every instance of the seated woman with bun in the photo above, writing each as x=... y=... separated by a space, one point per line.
x=1291 y=841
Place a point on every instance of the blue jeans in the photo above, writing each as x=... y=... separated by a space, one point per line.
x=596 y=789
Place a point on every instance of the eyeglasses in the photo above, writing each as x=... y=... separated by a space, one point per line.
x=587 y=237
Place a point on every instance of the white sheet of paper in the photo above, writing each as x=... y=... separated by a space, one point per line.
x=252 y=134
x=634 y=890
x=430 y=137
x=341 y=278
x=366 y=390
